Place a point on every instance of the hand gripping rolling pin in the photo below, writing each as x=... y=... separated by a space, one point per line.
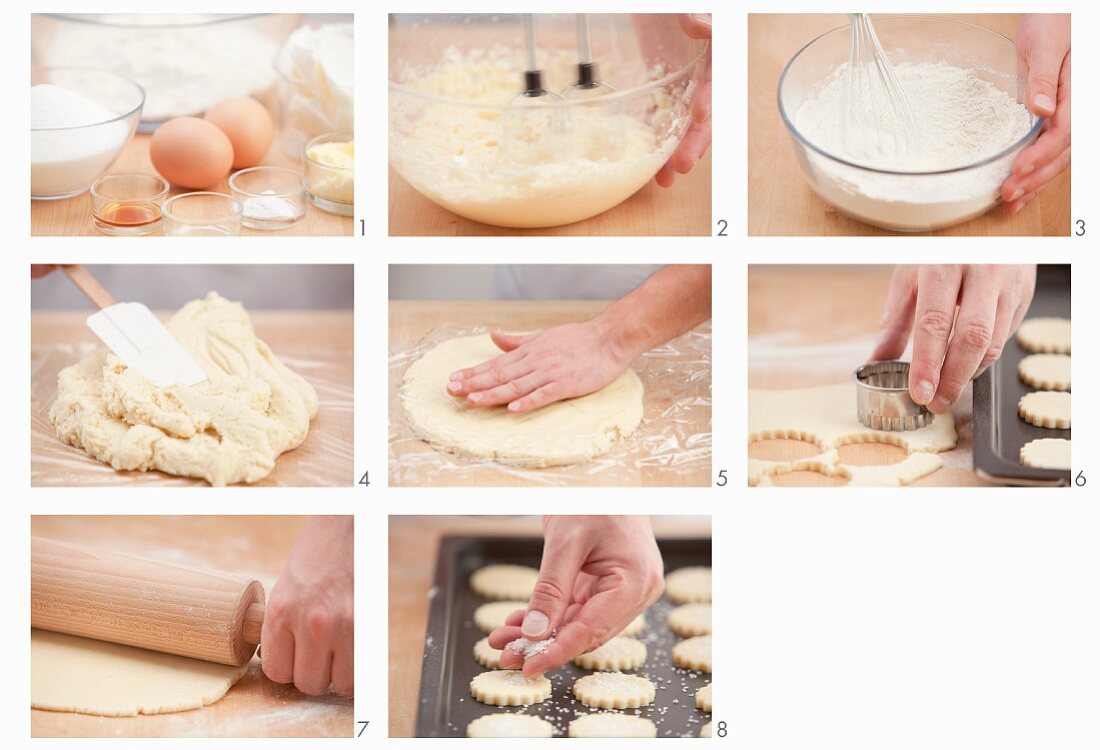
x=203 y=614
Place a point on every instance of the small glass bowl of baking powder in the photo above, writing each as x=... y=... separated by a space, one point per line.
x=202 y=214
x=271 y=197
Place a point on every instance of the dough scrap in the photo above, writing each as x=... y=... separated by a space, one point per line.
x=620 y=653
x=636 y=626
x=509 y=725
x=614 y=690
x=508 y=687
x=1050 y=409
x=489 y=617
x=486 y=655
x=504 y=581
x=228 y=429
x=612 y=725
x=1046 y=453
x=702 y=699
x=1050 y=372
x=688 y=585
x=1045 y=335
x=826 y=416
x=704 y=731
x=690 y=619
x=693 y=654
x=86 y=676
x=566 y=432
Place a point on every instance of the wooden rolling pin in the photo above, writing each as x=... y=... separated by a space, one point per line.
x=160 y=606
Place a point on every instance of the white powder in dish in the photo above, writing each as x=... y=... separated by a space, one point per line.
x=268 y=206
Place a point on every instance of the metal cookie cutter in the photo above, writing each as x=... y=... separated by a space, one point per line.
x=882 y=398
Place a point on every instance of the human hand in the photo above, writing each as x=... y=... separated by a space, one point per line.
x=598 y=573
x=1043 y=50
x=38 y=270
x=948 y=348
x=696 y=140
x=308 y=631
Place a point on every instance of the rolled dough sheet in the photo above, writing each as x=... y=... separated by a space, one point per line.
x=86 y=676
x=826 y=416
x=565 y=432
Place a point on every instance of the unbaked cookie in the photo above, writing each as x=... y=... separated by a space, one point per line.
x=1046 y=453
x=486 y=655
x=489 y=617
x=1050 y=335
x=1049 y=409
x=690 y=619
x=691 y=584
x=612 y=725
x=702 y=699
x=636 y=626
x=1050 y=372
x=693 y=654
x=509 y=725
x=504 y=582
x=705 y=730
x=620 y=653
x=614 y=690
x=509 y=687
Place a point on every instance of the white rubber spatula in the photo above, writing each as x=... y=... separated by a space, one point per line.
x=133 y=333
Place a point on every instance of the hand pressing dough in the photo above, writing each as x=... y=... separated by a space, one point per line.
x=86 y=676
x=621 y=653
x=702 y=700
x=489 y=617
x=687 y=585
x=612 y=725
x=690 y=619
x=1050 y=372
x=826 y=416
x=693 y=654
x=509 y=688
x=1046 y=453
x=504 y=581
x=566 y=432
x=1050 y=409
x=227 y=429
x=1045 y=335
x=509 y=725
x=614 y=690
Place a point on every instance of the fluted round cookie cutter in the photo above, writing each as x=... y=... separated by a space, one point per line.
x=882 y=398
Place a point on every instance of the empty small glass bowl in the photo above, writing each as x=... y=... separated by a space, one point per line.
x=202 y=214
x=271 y=197
x=128 y=205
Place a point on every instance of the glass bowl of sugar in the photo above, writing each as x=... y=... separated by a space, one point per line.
x=966 y=95
x=80 y=120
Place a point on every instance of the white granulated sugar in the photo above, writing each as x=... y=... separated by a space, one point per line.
x=529 y=648
x=71 y=158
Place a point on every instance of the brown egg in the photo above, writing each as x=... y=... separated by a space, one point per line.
x=191 y=152
x=249 y=127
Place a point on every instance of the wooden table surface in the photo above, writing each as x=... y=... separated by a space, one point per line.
x=411 y=321
x=680 y=210
x=813 y=325
x=317 y=344
x=248 y=545
x=781 y=201
x=73 y=216
x=413 y=542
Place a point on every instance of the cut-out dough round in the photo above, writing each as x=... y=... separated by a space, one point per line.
x=702 y=700
x=87 y=676
x=612 y=725
x=565 y=432
x=614 y=690
x=1045 y=335
x=690 y=619
x=1050 y=409
x=636 y=626
x=489 y=617
x=688 y=585
x=1046 y=453
x=1050 y=372
x=693 y=654
x=621 y=653
x=826 y=416
x=504 y=581
x=509 y=688
x=704 y=731
x=509 y=725
x=486 y=655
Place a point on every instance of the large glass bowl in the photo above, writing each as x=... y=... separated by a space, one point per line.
x=490 y=155
x=897 y=200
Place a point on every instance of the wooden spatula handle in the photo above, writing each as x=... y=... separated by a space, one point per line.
x=87 y=283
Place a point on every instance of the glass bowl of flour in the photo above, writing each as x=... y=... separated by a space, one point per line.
x=966 y=95
x=460 y=136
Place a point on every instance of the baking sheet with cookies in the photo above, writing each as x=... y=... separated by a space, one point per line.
x=999 y=431
x=446 y=707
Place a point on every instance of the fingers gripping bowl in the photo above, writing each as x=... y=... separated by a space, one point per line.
x=461 y=137
x=925 y=192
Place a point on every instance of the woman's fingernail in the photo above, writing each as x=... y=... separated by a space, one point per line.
x=475 y=397
x=1027 y=169
x=924 y=392
x=1044 y=103
x=456 y=375
x=514 y=406
x=535 y=624
x=1017 y=195
x=939 y=406
x=454 y=386
x=704 y=18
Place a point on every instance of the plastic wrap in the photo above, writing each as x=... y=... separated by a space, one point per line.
x=671 y=447
x=324 y=459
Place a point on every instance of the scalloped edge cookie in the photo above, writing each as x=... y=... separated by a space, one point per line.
x=489 y=617
x=612 y=725
x=1049 y=372
x=508 y=687
x=702 y=699
x=690 y=619
x=688 y=585
x=1047 y=453
x=636 y=626
x=509 y=725
x=1045 y=335
x=503 y=582
x=621 y=653
x=1049 y=409
x=614 y=690
x=486 y=655
x=693 y=654
x=704 y=731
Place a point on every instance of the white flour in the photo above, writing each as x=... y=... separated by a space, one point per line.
x=961 y=119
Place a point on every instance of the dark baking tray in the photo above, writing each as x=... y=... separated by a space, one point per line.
x=999 y=433
x=445 y=706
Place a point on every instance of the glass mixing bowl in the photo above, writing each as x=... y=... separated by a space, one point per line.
x=896 y=200
x=462 y=135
